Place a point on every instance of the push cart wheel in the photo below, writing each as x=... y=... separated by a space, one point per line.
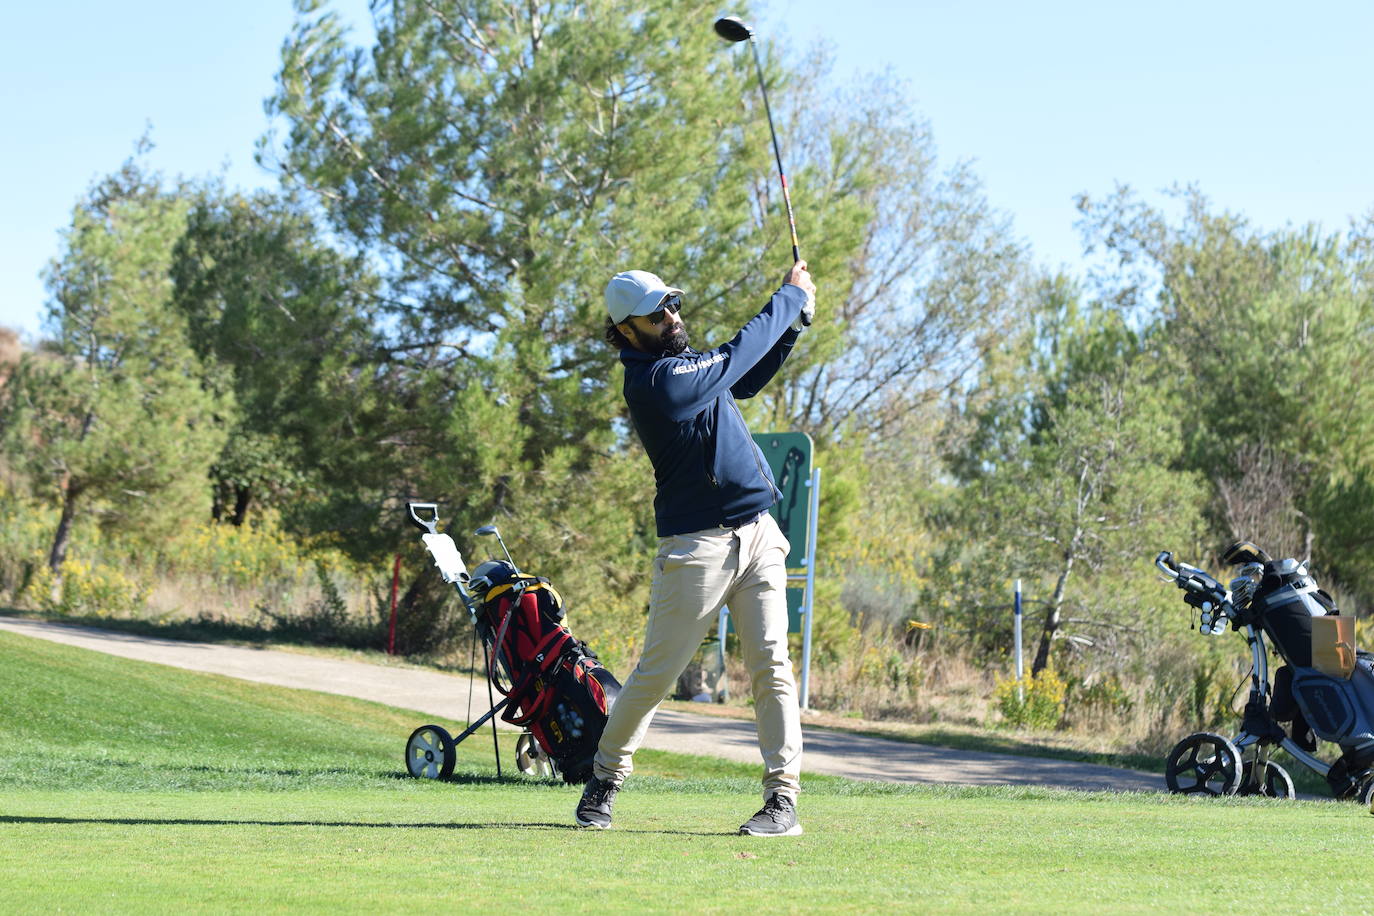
x=430 y=753
x=530 y=757
x=1203 y=763
x=1366 y=794
x=1275 y=782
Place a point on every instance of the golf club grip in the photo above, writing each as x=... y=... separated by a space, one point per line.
x=791 y=223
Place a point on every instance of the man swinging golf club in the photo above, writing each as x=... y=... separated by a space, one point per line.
x=718 y=545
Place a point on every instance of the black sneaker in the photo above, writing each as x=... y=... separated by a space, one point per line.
x=594 y=810
x=778 y=817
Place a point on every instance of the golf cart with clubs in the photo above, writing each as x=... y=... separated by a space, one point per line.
x=550 y=683
x=1324 y=689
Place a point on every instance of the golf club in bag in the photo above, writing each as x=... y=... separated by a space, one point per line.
x=551 y=683
x=732 y=29
x=1278 y=602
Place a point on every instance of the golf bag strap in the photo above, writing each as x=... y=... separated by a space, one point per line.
x=520 y=691
x=546 y=655
x=493 y=674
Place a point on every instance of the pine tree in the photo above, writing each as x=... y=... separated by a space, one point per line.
x=111 y=416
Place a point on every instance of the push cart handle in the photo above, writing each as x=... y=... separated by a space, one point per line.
x=1165 y=562
x=418 y=513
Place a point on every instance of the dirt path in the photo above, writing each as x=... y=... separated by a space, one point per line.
x=445 y=698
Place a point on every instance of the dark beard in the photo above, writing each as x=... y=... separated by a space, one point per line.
x=672 y=342
x=669 y=343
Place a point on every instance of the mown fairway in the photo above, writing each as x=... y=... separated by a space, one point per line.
x=127 y=786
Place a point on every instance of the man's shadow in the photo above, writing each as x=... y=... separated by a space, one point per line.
x=381 y=825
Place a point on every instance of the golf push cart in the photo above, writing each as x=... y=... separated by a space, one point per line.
x=1325 y=689
x=550 y=683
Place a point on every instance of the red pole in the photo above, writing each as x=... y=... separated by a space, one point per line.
x=395 y=583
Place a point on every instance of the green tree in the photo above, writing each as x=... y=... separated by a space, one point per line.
x=502 y=166
x=930 y=276
x=289 y=320
x=111 y=417
x=1268 y=335
x=1073 y=477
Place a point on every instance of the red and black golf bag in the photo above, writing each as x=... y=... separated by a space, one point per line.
x=555 y=686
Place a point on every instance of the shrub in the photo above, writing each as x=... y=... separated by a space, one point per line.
x=26 y=529
x=245 y=555
x=88 y=589
x=323 y=621
x=1040 y=705
x=1104 y=698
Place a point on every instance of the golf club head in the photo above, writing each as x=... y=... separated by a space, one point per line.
x=1243 y=552
x=732 y=28
x=486 y=530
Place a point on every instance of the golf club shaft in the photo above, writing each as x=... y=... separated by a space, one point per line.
x=777 y=155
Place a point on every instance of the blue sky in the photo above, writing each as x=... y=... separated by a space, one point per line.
x=1265 y=106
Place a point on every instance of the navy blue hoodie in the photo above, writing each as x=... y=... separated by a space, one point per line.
x=707 y=468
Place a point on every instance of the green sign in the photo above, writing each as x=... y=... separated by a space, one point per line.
x=789 y=458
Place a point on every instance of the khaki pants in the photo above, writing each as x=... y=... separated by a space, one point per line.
x=694 y=574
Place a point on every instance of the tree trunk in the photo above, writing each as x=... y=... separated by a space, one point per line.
x=242 y=497
x=58 y=555
x=71 y=489
x=1052 y=616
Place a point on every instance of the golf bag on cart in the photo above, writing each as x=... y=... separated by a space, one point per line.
x=1276 y=601
x=551 y=683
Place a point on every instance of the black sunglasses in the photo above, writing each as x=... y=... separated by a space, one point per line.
x=670 y=304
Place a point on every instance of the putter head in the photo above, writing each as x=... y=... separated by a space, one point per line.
x=732 y=28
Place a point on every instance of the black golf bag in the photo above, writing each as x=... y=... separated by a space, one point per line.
x=1340 y=710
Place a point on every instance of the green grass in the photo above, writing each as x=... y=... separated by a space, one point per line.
x=1052 y=745
x=133 y=787
x=241 y=633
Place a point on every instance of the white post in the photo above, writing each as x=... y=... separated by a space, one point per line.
x=809 y=597
x=1016 y=618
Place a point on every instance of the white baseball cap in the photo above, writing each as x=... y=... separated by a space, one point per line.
x=635 y=292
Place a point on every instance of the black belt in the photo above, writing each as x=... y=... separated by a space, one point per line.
x=740 y=523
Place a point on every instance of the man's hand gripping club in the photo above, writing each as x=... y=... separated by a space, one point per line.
x=799 y=277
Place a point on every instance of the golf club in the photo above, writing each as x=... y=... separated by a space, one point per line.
x=488 y=531
x=732 y=29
